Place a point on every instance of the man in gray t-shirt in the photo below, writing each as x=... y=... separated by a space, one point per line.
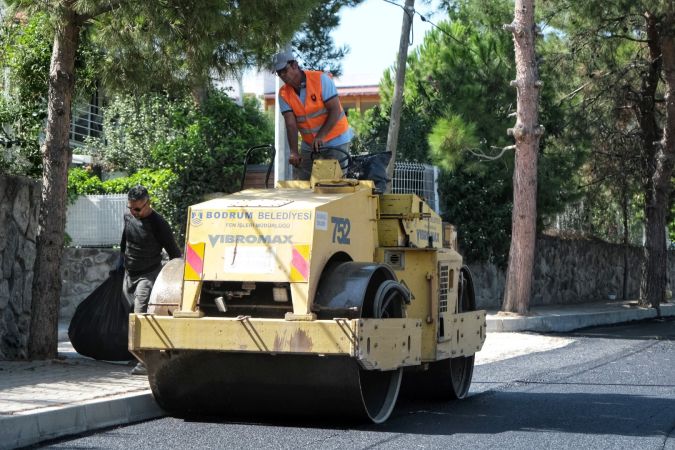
x=145 y=234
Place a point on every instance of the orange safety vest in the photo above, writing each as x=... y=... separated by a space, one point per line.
x=313 y=114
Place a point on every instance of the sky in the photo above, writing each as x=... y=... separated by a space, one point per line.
x=372 y=30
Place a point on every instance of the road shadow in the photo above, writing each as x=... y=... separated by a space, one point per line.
x=500 y=412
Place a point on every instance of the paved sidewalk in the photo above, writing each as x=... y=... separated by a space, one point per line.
x=42 y=400
x=563 y=318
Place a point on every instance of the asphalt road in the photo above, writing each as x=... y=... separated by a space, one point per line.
x=610 y=388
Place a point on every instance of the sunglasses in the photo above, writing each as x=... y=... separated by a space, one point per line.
x=137 y=209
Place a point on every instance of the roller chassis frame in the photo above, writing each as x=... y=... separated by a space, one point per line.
x=377 y=344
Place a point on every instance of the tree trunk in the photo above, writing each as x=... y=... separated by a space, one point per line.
x=654 y=281
x=43 y=340
x=397 y=101
x=626 y=240
x=659 y=164
x=527 y=133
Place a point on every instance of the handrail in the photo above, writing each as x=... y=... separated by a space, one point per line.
x=272 y=153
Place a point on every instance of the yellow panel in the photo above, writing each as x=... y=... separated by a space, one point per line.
x=346 y=225
x=378 y=344
x=325 y=169
x=253 y=240
x=396 y=204
x=149 y=332
x=390 y=233
x=188 y=306
x=388 y=344
x=466 y=334
x=293 y=184
x=415 y=219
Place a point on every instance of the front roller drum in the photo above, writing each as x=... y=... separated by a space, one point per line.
x=249 y=385
x=166 y=291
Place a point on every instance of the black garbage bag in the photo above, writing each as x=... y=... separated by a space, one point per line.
x=371 y=167
x=100 y=326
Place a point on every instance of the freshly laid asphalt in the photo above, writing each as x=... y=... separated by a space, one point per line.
x=43 y=400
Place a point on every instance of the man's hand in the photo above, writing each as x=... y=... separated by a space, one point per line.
x=317 y=144
x=295 y=159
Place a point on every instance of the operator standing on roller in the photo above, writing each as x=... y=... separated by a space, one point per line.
x=310 y=105
x=145 y=234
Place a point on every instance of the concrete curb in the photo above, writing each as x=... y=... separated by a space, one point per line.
x=559 y=323
x=25 y=429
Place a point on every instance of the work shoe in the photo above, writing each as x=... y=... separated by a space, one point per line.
x=140 y=369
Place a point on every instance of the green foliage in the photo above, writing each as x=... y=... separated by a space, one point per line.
x=467 y=84
x=203 y=146
x=25 y=49
x=207 y=155
x=158 y=182
x=83 y=182
x=177 y=46
x=371 y=132
x=478 y=205
x=448 y=138
x=457 y=97
x=20 y=126
x=133 y=125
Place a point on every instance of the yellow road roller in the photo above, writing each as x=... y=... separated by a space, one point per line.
x=314 y=298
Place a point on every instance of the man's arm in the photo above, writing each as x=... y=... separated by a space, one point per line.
x=333 y=108
x=166 y=239
x=292 y=135
x=123 y=241
x=123 y=246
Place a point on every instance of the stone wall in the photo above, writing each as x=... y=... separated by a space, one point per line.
x=569 y=271
x=82 y=271
x=19 y=211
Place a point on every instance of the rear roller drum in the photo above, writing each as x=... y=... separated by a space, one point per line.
x=450 y=378
x=461 y=368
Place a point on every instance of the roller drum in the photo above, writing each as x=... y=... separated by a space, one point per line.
x=250 y=385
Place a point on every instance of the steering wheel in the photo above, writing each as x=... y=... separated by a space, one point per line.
x=345 y=161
